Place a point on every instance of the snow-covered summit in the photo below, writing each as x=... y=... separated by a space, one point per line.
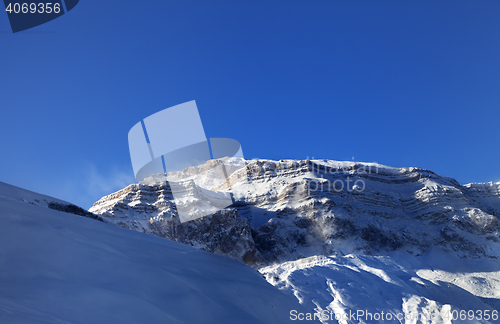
x=290 y=209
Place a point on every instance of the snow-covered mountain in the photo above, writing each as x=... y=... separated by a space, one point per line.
x=287 y=210
x=344 y=236
x=58 y=267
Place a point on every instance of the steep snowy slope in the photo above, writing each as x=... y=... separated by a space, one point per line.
x=393 y=288
x=57 y=267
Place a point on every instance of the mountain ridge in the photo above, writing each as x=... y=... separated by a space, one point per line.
x=289 y=209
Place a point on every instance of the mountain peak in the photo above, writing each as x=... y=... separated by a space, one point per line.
x=290 y=209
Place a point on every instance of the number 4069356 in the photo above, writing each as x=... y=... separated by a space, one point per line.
x=34 y=8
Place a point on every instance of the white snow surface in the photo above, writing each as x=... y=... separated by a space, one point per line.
x=57 y=267
x=434 y=288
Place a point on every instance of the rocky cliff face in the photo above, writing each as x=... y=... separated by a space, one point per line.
x=288 y=209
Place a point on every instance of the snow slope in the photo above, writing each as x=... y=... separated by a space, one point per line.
x=434 y=288
x=57 y=267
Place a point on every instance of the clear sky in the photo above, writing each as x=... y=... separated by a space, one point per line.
x=402 y=83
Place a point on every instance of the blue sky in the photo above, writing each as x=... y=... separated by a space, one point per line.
x=402 y=83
